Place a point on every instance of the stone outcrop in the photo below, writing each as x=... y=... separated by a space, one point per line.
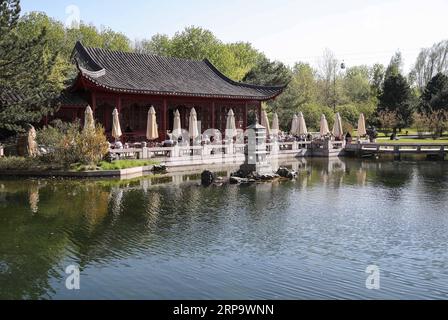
x=208 y=178
x=286 y=173
x=238 y=180
x=159 y=169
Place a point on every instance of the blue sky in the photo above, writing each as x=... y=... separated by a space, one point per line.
x=359 y=32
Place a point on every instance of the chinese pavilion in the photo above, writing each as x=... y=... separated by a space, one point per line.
x=133 y=82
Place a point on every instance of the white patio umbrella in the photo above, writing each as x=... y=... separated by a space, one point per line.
x=362 y=126
x=265 y=122
x=338 y=131
x=177 y=127
x=193 y=124
x=116 y=127
x=294 y=125
x=152 y=130
x=89 y=121
x=231 y=125
x=302 y=129
x=275 y=125
x=324 y=130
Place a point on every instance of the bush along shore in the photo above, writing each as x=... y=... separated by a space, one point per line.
x=66 y=148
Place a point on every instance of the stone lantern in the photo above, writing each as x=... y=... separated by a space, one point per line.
x=256 y=152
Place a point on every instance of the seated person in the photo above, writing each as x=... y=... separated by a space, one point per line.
x=394 y=137
x=348 y=138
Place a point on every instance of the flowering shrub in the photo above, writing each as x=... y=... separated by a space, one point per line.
x=92 y=146
x=67 y=144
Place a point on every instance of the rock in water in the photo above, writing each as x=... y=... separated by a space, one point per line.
x=285 y=173
x=159 y=169
x=207 y=178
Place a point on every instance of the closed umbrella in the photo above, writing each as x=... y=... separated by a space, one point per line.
x=324 y=126
x=275 y=125
x=362 y=126
x=152 y=130
x=116 y=127
x=89 y=122
x=231 y=125
x=338 y=132
x=265 y=122
x=294 y=125
x=302 y=129
x=193 y=124
x=177 y=127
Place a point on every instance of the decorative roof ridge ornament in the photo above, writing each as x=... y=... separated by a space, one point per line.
x=93 y=74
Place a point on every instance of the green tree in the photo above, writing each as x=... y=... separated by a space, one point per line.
x=113 y=40
x=159 y=44
x=234 y=60
x=395 y=65
x=91 y=36
x=397 y=97
x=26 y=69
x=61 y=40
x=429 y=62
x=350 y=113
x=357 y=84
x=377 y=74
x=435 y=95
x=270 y=73
x=246 y=58
x=301 y=91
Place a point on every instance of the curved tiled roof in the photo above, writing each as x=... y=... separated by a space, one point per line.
x=65 y=98
x=150 y=74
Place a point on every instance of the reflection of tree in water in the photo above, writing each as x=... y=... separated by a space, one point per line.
x=432 y=176
x=394 y=175
x=34 y=240
x=103 y=223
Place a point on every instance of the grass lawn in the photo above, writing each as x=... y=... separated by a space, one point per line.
x=115 y=165
x=410 y=140
x=410 y=132
x=126 y=164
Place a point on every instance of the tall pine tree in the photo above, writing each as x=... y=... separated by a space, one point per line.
x=397 y=97
x=27 y=88
x=435 y=95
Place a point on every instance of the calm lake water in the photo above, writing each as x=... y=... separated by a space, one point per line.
x=169 y=238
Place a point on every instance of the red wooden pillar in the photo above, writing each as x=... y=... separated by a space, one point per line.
x=259 y=112
x=93 y=102
x=164 y=120
x=213 y=126
x=119 y=104
x=246 y=107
